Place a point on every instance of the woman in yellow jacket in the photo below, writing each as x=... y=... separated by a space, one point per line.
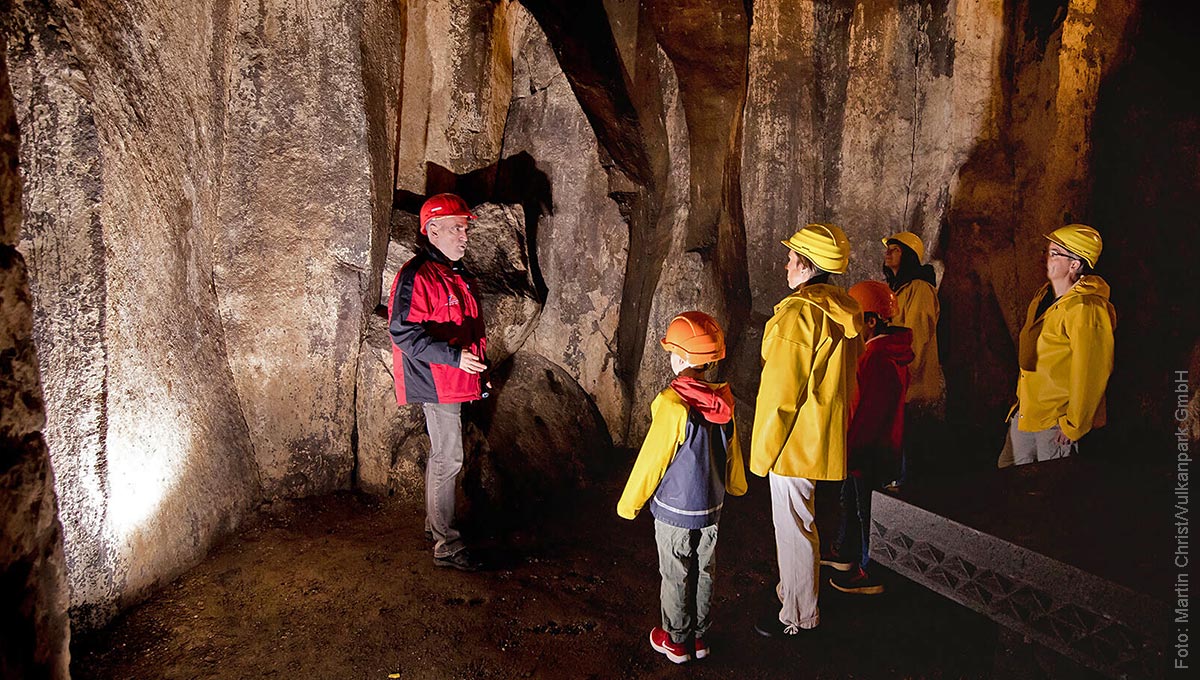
x=810 y=351
x=1065 y=352
x=918 y=309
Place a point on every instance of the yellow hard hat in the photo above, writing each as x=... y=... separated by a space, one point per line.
x=1079 y=239
x=824 y=245
x=911 y=240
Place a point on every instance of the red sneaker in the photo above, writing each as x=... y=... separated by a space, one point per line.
x=660 y=640
x=701 y=648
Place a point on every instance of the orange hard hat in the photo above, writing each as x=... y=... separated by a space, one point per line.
x=443 y=205
x=696 y=337
x=875 y=296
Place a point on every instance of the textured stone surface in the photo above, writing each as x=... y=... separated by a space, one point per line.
x=201 y=245
x=293 y=248
x=861 y=115
x=580 y=235
x=688 y=279
x=538 y=436
x=121 y=145
x=457 y=85
x=33 y=575
x=392 y=442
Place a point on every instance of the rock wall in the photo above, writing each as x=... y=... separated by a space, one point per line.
x=150 y=451
x=580 y=235
x=457 y=83
x=207 y=198
x=294 y=245
x=208 y=190
x=33 y=575
x=861 y=114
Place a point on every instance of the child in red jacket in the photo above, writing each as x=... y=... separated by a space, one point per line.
x=875 y=433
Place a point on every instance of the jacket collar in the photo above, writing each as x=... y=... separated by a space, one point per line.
x=437 y=256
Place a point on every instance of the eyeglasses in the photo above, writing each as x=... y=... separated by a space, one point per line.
x=1056 y=253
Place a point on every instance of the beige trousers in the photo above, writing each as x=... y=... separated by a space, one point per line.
x=798 y=549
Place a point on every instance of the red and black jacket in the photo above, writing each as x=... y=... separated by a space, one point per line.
x=433 y=316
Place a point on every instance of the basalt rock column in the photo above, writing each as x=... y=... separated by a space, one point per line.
x=862 y=114
x=551 y=163
x=293 y=255
x=457 y=84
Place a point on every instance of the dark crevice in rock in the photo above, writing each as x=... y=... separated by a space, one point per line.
x=831 y=74
x=1042 y=18
x=590 y=61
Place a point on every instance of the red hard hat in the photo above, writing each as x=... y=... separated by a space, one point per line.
x=444 y=205
x=874 y=296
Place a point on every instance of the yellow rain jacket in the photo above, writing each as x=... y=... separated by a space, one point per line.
x=918 y=306
x=668 y=430
x=810 y=352
x=1066 y=357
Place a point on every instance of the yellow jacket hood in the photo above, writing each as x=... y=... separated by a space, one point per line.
x=833 y=301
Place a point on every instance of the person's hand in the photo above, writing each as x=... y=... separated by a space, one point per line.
x=471 y=363
x=1062 y=439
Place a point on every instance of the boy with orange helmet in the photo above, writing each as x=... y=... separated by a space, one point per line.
x=687 y=463
x=875 y=432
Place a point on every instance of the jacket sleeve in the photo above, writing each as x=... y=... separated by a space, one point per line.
x=735 y=466
x=879 y=393
x=787 y=364
x=922 y=317
x=1090 y=329
x=410 y=305
x=668 y=421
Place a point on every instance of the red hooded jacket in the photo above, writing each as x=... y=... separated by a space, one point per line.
x=876 y=428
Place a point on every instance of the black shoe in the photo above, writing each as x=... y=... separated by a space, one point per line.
x=770 y=626
x=460 y=560
x=857 y=582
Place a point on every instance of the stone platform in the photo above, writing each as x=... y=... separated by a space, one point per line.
x=1072 y=554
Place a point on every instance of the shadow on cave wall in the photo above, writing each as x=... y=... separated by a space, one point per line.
x=512 y=180
x=1147 y=176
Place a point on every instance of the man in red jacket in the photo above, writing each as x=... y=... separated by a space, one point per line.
x=874 y=435
x=438 y=345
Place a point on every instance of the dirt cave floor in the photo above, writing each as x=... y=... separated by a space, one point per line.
x=344 y=587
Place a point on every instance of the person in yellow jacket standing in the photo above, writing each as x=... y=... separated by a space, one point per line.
x=1065 y=352
x=915 y=286
x=810 y=349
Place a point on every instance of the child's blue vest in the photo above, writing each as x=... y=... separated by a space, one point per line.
x=692 y=491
